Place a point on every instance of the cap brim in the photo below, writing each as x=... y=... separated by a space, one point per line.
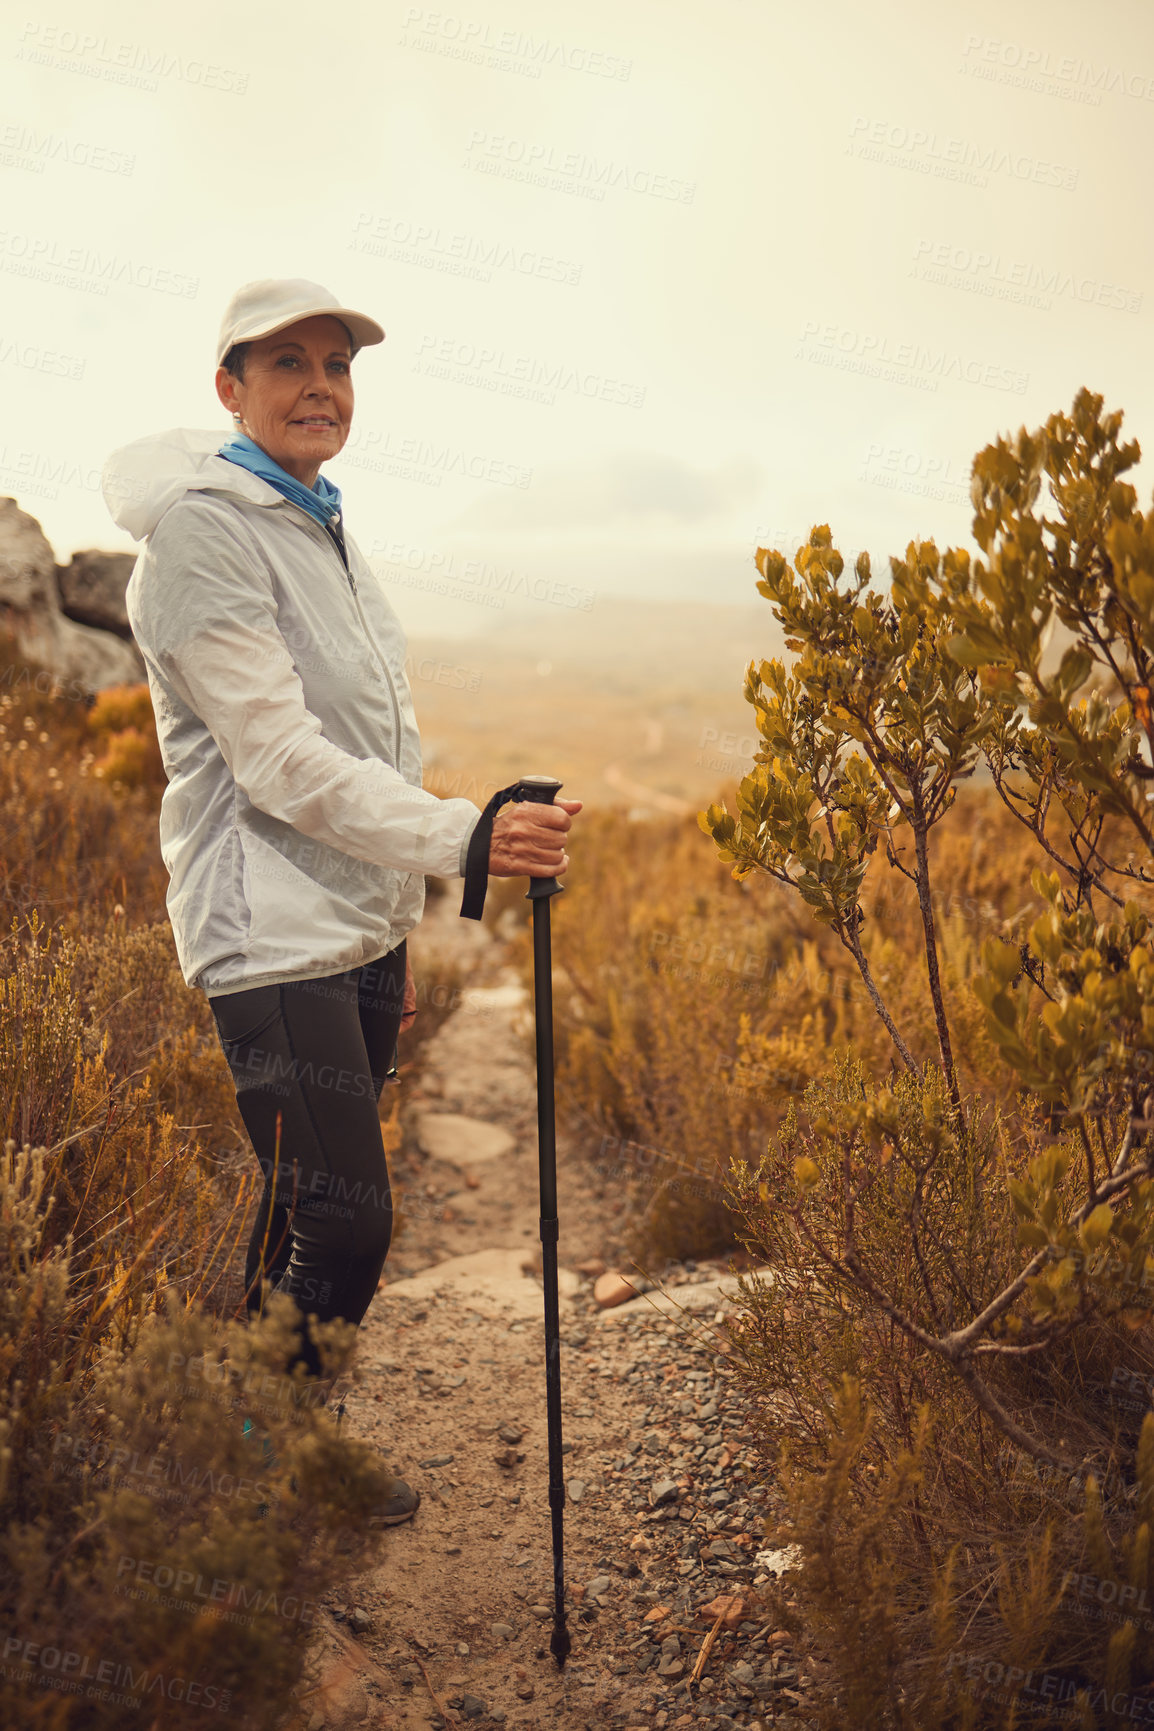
x=364 y=330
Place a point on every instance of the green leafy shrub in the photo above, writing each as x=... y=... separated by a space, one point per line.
x=957 y=1352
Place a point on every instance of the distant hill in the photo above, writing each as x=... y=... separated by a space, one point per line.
x=634 y=703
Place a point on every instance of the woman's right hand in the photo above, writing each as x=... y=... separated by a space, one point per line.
x=529 y=839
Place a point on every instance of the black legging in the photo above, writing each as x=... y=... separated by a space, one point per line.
x=316 y=1052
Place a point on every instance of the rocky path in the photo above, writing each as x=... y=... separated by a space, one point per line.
x=663 y=1520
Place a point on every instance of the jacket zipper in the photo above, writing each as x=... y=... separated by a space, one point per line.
x=343 y=556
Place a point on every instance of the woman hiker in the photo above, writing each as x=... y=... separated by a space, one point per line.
x=294 y=827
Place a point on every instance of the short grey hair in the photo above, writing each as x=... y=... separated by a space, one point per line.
x=234 y=360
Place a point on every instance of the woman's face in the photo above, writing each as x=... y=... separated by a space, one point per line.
x=296 y=399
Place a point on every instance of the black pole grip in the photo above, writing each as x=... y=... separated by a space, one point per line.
x=540 y=790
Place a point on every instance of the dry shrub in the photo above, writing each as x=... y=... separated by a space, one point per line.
x=121 y=706
x=72 y=845
x=129 y=1490
x=691 y=1009
x=121 y=717
x=132 y=1194
x=941 y=1565
x=158 y=1564
x=659 y=962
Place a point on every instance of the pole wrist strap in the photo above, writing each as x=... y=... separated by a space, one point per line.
x=477 y=856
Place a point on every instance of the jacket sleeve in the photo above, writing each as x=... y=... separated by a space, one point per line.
x=205 y=615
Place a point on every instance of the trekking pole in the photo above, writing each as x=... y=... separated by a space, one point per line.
x=540 y=789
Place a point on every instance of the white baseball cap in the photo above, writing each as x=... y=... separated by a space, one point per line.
x=261 y=308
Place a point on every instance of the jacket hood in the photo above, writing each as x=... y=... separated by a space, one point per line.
x=141 y=480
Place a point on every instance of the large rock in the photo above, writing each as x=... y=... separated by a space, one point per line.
x=462 y=1141
x=490 y=1282
x=30 y=614
x=694 y=1300
x=27 y=567
x=92 y=589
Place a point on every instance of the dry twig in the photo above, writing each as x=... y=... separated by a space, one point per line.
x=706 y=1645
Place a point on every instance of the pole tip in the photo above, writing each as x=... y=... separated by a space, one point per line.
x=560 y=1644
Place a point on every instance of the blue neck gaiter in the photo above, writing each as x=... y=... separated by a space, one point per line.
x=323 y=501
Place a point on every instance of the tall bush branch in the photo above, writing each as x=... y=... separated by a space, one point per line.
x=937 y=997
x=850 y=937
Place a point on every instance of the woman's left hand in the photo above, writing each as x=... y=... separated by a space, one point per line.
x=409 y=1007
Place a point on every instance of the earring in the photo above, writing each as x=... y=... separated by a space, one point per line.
x=236 y=415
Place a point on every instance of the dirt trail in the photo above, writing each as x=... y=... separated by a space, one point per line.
x=452 y=1626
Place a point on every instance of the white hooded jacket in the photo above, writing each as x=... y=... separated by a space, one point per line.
x=294 y=827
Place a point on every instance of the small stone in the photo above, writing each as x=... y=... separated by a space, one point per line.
x=599 y=1584
x=743 y=1673
x=507 y=1458
x=671 y=1668
x=541 y=1610
x=463 y=1649
x=524 y=1691
x=663 y=1491
x=611 y=1289
x=472 y=1707
x=575 y=1490
x=501 y=1631
x=436 y=1461
x=361 y=1620
x=316 y=1722
x=730 y=1607
x=656 y=1615
x=510 y=1433
x=591 y=1267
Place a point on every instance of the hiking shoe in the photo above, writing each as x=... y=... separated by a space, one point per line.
x=400 y=1503
x=268 y=1455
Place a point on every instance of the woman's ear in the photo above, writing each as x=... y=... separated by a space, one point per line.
x=226 y=390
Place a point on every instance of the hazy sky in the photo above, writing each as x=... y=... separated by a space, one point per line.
x=659 y=281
